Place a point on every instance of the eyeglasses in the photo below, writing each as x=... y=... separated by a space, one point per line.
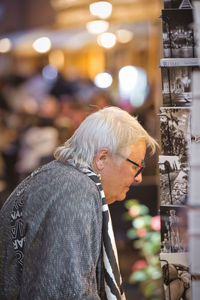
x=141 y=167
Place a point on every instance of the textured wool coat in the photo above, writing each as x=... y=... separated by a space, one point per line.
x=62 y=223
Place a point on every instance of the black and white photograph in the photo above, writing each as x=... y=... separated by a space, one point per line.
x=181 y=4
x=178 y=35
x=173 y=179
x=175 y=131
x=176 y=86
x=173 y=229
x=176 y=276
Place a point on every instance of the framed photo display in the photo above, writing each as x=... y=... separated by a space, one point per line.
x=175 y=130
x=173 y=180
x=177 y=81
x=176 y=275
x=173 y=229
x=178 y=35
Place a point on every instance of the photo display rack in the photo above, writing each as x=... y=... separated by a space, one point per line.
x=179 y=63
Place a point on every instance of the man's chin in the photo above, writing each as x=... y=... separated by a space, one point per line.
x=123 y=197
x=118 y=198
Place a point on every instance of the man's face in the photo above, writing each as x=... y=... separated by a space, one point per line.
x=116 y=179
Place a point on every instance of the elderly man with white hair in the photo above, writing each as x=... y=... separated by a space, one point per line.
x=56 y=237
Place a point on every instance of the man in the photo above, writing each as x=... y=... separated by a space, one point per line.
x=56 y=238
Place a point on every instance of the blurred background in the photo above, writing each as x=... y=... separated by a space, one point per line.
x=60 y=60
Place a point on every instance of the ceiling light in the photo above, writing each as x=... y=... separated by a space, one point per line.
x=107 y=39
x=42 y=45
x=5 y=45
x=101 y=9
x=124 y=36
x=96 y=27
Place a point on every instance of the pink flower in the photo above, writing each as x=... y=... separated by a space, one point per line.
x=141 y=232
x=139 y=265
x=155 y=223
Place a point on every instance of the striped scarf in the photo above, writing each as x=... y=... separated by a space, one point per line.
x=112 y=277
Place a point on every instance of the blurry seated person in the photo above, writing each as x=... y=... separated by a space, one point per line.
x=56 y=237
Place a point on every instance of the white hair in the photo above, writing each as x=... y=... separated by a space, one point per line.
x=111 y=128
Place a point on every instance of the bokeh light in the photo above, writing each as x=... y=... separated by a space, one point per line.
x=5 y=45
x=97 y=27
x=107 y=40
x=50 y=73
x=128 y=77
x=124 y=36
x=133 y=85
x=42 y=45
x=101 y=9
x=103 y=80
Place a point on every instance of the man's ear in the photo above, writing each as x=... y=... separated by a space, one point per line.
x=100 y=159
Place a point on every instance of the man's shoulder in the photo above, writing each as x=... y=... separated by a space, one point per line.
x=53 y=182
x=66 y=174
x=63 y=181
x=55 y=171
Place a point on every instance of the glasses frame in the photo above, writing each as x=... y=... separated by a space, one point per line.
x=141 y=167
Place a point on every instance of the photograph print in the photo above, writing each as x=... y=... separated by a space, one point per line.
x=173 y=180
x=173 y=229
x=176 y=86
x=178 y=35
x=176 y=276
x=180 y=4
x=175 y=131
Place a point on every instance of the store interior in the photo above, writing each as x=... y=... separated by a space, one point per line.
x=46 y=91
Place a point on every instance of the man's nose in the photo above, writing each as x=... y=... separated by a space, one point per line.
x=138 y=178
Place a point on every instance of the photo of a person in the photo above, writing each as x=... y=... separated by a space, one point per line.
x=173 y=235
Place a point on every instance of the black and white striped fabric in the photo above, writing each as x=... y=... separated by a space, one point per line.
x=112 y=280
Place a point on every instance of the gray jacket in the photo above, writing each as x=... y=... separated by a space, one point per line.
x=62 y=251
